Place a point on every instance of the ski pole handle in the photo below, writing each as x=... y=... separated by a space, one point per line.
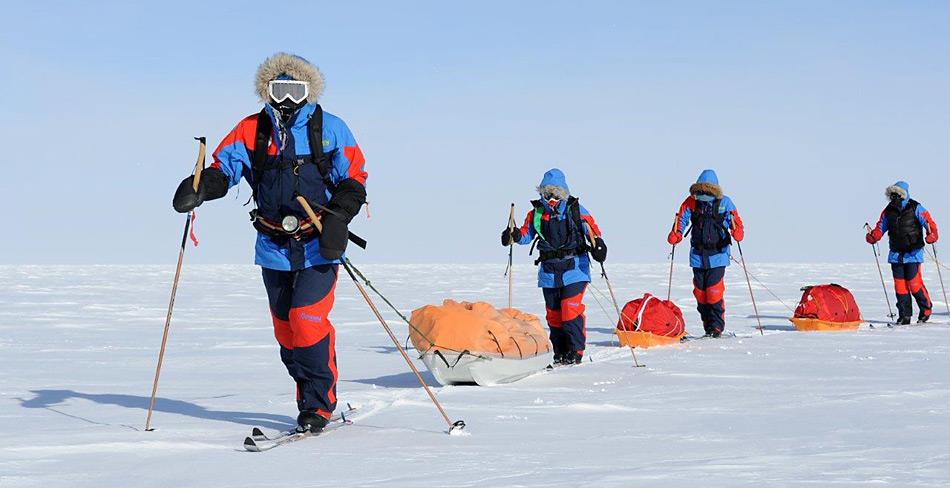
x=590 y=237
x=314 y=218
x=200 y=164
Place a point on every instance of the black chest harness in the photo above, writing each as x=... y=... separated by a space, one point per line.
x=278 y=180
x=905 y=234
x=558 y=239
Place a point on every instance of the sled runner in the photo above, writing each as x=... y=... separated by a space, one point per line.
x=475 y=343
x=826 y=308
x=649 y=322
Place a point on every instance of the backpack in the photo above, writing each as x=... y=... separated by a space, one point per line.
x=709 y=230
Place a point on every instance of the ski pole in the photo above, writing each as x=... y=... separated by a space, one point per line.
x=456 y=426
x=755 y=308
x=199 y=165
x=940 y=275
x=610 y=288
x=511 y=250
x=887 y=298
x=669 y=286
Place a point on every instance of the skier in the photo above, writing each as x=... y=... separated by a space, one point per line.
x=558 y=221
x=713 y=217
x=292 y=148
x=905 y=220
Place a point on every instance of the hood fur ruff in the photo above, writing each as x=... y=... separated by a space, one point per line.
x=560 y=192
x=895 y=189
x=293 y=66
x=705 y=187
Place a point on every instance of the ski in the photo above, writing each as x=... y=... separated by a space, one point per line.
x=258 y=441
x=552 y=367
x=691 y=338
x=258 y=434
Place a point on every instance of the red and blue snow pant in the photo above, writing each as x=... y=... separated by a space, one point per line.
x=300 y=302
x=565 y=317
x=709 y=288
x=908 y=281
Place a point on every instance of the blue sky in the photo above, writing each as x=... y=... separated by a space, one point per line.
x=806 y=109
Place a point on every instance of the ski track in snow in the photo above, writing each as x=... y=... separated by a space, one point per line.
x=78 y=346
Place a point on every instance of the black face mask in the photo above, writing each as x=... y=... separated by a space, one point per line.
x=287 y=109
x=896 y=197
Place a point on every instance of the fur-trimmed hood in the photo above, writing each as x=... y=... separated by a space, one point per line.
x=707 y=182
x=901 y=187
x=554 y=182
x=293 y=66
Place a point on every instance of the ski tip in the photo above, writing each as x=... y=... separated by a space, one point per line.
x=250 y=445
x=256 y=432
x=458 y=428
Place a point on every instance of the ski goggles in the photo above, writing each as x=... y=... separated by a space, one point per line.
x=296 y=91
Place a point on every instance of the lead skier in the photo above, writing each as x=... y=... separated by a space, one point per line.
x=293 y=148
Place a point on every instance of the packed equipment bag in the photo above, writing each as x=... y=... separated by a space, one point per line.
x=650 y=315
x=826 y=307
x=463 y=342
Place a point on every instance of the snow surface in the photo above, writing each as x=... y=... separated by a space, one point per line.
x=78 y=347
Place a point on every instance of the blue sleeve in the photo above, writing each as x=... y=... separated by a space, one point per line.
x=685 y=215
x=882 y=223
x=527 y=229
x=231 y=160
x=727 y=208
x=920 y=214
x=591 y=227
x=348 y=160
x=232 y=155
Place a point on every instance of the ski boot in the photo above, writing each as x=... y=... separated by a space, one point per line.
x=572 y=358
x=310 y=421
x=922 y=319
x=716 y=333
x=903 y=321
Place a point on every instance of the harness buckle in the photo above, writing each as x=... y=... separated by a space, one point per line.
x=297 y=164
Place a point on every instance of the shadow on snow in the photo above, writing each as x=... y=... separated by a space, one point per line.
x=400 y=380
x=47 y=399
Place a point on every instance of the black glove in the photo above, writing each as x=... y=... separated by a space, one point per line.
x=599 y=252
x=510 y=235
x=213 y=184
x=349 y=197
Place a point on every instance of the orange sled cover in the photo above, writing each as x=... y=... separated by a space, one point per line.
x=826 y=308
x=478 y=328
